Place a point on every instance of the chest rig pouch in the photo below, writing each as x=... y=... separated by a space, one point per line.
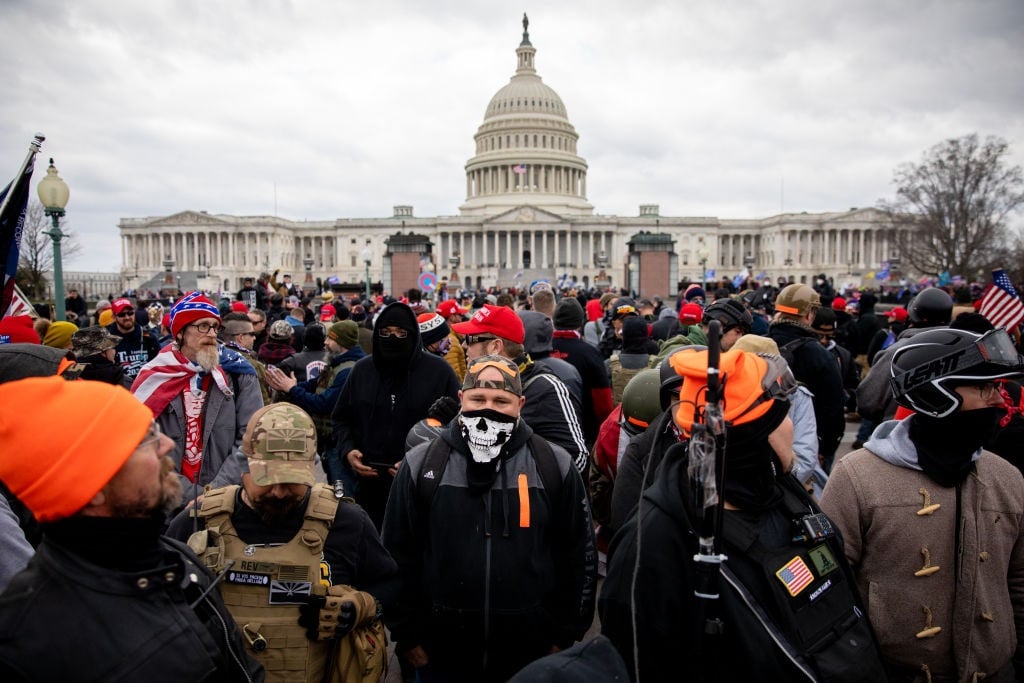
x=265 y=585
x=811 y=606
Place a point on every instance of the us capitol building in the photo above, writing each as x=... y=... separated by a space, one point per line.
x=526 y=216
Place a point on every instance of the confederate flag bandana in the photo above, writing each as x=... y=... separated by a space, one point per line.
x=165 y=377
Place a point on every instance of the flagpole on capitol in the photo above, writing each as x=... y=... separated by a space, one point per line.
x=12 y=214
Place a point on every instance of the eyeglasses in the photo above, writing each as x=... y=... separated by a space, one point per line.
x=397 y=333
x=152 y=435
x=125 y=314
x=987 y=390
x=204 y=328
x=250 y=333
x=478 y=338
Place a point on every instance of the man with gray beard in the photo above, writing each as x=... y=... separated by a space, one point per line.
x=201 y=396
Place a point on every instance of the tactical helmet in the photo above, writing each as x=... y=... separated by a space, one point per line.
x=932 y=306
x=640 y=400
x=622 y=307
x=730 y=313
x=797 y=299
x=927 y=367
x=670 y=380
x=280 y=443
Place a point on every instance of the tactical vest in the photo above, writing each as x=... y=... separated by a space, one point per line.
x=265 y=586
x=620 y=377
x=324 y=424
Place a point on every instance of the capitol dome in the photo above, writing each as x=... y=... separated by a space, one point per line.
x=526 y=149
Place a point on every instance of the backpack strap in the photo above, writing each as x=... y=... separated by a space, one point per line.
x=547 y=466
x=434 y=463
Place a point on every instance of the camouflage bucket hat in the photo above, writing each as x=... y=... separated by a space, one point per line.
x=280 y=442
x=89 y=341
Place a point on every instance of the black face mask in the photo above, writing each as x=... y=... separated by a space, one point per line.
x=945 y=445
x=396 y=352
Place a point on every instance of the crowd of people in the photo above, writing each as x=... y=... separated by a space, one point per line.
x=253 y=487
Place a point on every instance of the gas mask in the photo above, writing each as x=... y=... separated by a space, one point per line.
x=486 y=432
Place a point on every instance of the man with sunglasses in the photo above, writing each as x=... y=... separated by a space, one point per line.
x=550 y=410
x=201 y=396
x=932 y=523
x=137 y=347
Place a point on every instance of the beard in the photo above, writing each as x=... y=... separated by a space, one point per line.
x=208 y=356
x=275 y=510
x=166 y=500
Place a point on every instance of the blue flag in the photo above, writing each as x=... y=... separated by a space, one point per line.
x=13 y=203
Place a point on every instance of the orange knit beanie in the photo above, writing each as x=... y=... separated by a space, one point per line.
x=61 y=442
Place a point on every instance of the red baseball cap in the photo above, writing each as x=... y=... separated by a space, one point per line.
x=899 y=314
x=239 y=307
x=501 y=321
x=450 y=307
x=327 y=312
x=691 y=314
x=119 y=305
x=839 y=304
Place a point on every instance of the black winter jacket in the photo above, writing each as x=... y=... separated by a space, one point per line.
x=815 y=368
x=376 y=409
x=669 y=617
x=490 y=581
x=67 y=619
x=553 y=411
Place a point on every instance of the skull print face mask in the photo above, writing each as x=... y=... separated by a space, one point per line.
x=486 y=432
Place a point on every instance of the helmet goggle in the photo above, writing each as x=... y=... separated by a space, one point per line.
x=994 y=349
x=624 y=310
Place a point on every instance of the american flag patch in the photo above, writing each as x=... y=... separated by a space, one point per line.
x=795 y=576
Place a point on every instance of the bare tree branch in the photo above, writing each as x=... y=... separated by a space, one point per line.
x=951 y=209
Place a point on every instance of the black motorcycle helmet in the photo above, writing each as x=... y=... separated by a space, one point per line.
x=671 y=381
x=928 y=367
x=930 y=308
x=730 y=313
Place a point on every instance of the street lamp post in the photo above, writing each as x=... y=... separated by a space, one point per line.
x=53 y=194
x=702 y=254
x=367 y=257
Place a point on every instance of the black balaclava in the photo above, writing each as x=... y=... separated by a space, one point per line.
x=392 y=355
x=751 y=465
x=946 y=445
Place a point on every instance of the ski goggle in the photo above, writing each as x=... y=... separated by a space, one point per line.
x=994 y=348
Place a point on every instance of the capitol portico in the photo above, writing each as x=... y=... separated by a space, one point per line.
x=526 y=215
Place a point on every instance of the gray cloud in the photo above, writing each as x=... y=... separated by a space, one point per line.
x=731 y=109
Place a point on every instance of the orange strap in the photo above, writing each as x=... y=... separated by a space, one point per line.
x=524 y=502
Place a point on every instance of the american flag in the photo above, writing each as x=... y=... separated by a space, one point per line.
x=795 y=576
x=13 y=204
x=520 y=169
x=1000 y=303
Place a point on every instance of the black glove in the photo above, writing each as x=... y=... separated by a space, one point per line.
x=443 y=409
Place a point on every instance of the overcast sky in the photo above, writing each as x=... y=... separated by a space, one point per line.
x=734 y=109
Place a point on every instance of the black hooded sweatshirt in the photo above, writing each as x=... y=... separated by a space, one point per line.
x=384 y=396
